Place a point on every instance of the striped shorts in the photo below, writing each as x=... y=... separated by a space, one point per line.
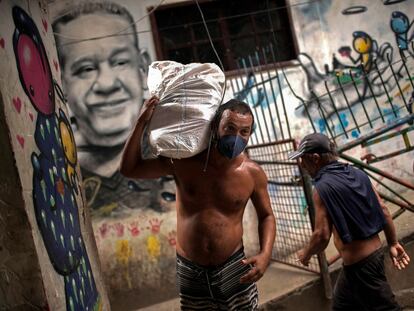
x=215 y=288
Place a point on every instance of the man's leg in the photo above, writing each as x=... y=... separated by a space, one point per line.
x=343 y=298
x=195 y=293
x=372 y=285
x=229 y=293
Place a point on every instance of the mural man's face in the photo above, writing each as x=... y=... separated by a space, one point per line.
x=102 y=78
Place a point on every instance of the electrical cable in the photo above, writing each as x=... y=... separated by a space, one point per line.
x=225 y=80
x=115 y=33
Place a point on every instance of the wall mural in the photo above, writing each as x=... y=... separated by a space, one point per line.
x=55 y=183
x=104 y=81
x=104 y=85
x=364 y=56
x=355 y=53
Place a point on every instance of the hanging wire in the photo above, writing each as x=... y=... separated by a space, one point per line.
x=225 y=80
x=119 y=33
x=113 y=34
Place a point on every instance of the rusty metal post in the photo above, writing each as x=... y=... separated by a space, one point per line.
x=323 y=263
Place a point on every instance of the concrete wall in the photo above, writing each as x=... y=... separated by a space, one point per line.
x=48 y=253
x=134 y=220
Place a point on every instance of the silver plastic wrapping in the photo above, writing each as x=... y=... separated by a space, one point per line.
x=189 y=97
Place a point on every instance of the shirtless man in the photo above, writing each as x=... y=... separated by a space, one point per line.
x=212 y=270
x=347 y=204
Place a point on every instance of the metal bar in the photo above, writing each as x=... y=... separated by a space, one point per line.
x=323 y=115
x=323 y=264
x=282 y=183
x=335 y=109
x=408 y=73
x=281 y=91
x=275 y=162
x=232 y=88
x=375 y=133
x=274 y=96
x=251 y=67
x=374 y=96
x=347 y=102
x=377 y=171
x=386 y=137
x=390 y=155
x=252 y=100
x=385 y=88
x=398 y=213
x=360 y=99
x=388 y=187
x=268 y=102
x=396 y=202
x=274 y=143
x=292 y=90
x=398 y=83
x=296 y=266
x=257 y=89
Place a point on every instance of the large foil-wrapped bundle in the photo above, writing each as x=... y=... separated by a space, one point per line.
x=189 y=97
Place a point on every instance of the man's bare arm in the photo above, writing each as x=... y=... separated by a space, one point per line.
x=398 y=255
x=321 y=234
x=267 y=228
x=132 y=164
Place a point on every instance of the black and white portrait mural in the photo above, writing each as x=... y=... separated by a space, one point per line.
x=103 y=64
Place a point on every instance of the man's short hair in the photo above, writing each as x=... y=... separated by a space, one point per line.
x=233 y=105
x=91 y=8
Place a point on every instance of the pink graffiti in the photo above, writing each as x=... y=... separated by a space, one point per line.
x=133 y=228
x=172 y=238
x=119 y=229
x=104 y=230
x=155 y=225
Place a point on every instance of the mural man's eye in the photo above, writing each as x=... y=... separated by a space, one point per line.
x=31 y=89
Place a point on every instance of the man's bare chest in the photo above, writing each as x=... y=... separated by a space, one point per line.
x=223 y=188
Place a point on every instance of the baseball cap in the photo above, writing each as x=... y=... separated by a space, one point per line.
x=312 y=143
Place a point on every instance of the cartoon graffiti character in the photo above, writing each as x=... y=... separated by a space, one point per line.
x=400 y=25
x=69 y=149
x=54 y=199
x=366 y=47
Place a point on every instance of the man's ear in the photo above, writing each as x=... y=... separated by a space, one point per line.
x=145 y=62
x=316 y=158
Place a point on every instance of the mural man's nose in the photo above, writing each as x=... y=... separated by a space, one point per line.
x=107 y=81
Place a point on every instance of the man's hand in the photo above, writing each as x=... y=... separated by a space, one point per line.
x=260 y=263
x=399 y=257
x=303 y=258
x=148 y=108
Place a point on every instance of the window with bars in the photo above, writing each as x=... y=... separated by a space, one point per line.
x=238 y=28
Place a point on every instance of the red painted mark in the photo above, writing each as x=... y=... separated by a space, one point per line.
x=31 y=116
x=103 y=230
x=17 y=103
x=172 y=238
x=2 y=42
x=119 y=229
x=133 y=228
x=56 y=64
x=155 y=225
x=44 y=22
x=20 y=139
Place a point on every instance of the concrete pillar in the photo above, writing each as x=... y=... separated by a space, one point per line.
x=48 y=256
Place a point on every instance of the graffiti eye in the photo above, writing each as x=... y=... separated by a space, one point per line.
x=31 y=89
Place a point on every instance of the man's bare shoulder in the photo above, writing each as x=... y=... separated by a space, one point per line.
x=254 y=169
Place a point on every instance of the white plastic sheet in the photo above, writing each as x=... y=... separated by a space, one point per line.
x=189 y=97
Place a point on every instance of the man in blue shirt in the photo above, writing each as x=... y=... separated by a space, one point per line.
x=347 y=205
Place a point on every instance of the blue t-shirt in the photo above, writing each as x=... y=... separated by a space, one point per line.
x=350 y=200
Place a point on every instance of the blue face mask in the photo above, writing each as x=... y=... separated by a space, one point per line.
x=231 y=145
